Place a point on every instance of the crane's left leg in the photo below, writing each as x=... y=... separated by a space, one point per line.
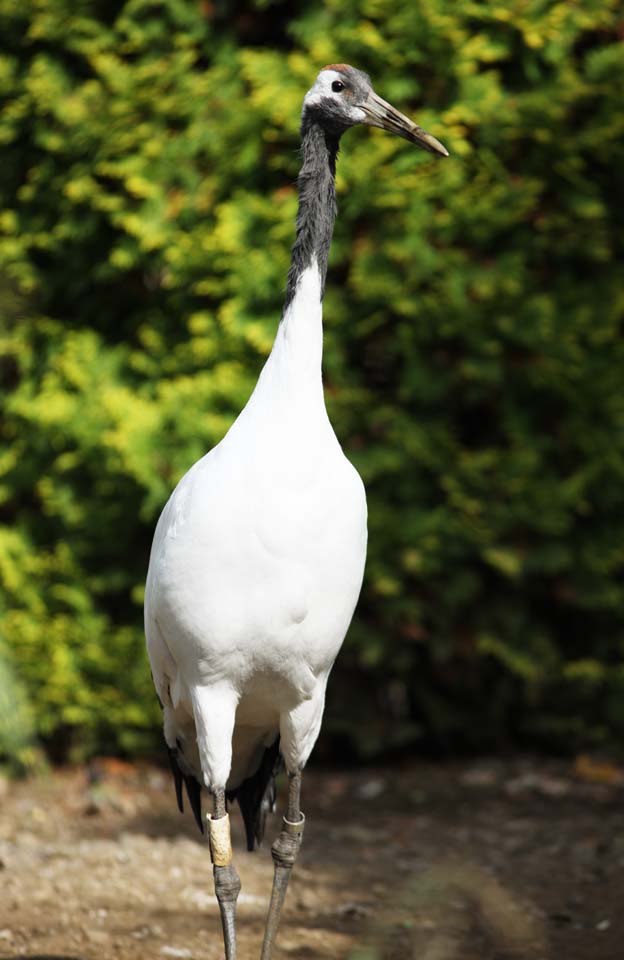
x=226 y=880
x=284 y=852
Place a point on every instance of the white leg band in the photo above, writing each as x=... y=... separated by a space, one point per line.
x=220 y=842
x=294 y=829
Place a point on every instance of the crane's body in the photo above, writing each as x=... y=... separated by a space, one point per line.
x=258 y=556
x=256 y=568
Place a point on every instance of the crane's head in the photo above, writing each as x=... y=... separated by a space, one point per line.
x=343 y=96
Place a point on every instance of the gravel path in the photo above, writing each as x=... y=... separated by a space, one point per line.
x=510 y=861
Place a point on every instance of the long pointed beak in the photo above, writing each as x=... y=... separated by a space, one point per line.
x=384 y=115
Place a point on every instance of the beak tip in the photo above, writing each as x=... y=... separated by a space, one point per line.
x=435 y=146
x=423 y=139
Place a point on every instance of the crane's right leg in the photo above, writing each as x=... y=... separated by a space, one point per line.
x=226 y=880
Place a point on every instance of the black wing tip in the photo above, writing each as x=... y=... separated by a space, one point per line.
x=193 y=789
x=250 y=834
x=256 y=796
x=177 y=777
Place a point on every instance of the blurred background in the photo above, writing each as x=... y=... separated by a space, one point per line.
x=474 y=358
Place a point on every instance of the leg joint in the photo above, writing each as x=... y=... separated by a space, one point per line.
x=285 y=849
x=227 y=884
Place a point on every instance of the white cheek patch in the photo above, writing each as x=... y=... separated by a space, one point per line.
x=322 y=87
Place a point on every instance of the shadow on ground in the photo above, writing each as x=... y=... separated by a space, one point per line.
x=520 y=860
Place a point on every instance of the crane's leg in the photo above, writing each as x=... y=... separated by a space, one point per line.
x=284 y=852
x=226 y=880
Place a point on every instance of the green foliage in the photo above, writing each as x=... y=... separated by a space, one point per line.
x=473 y=350
x=17 y=723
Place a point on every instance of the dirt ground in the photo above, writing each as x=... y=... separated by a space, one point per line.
x=484 y=860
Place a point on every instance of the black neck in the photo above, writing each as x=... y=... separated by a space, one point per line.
x=317 y=202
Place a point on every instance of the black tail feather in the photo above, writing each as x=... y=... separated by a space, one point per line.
x=256 y=795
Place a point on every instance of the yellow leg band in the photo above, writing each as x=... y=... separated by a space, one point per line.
x=220 y=842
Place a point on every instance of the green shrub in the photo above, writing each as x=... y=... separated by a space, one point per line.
x=473 y=352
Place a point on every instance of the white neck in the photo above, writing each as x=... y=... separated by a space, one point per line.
x=288 y=399
x=300 y=335
x=294 y=364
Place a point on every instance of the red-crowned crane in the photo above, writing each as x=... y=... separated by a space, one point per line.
x=258 y=556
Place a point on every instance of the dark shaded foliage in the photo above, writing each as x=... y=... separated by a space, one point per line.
x=474 y=355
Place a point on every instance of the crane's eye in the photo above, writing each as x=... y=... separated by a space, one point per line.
x=337 y=86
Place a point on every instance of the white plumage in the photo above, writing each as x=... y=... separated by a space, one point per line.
x=258 y=556
x=256 y=568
